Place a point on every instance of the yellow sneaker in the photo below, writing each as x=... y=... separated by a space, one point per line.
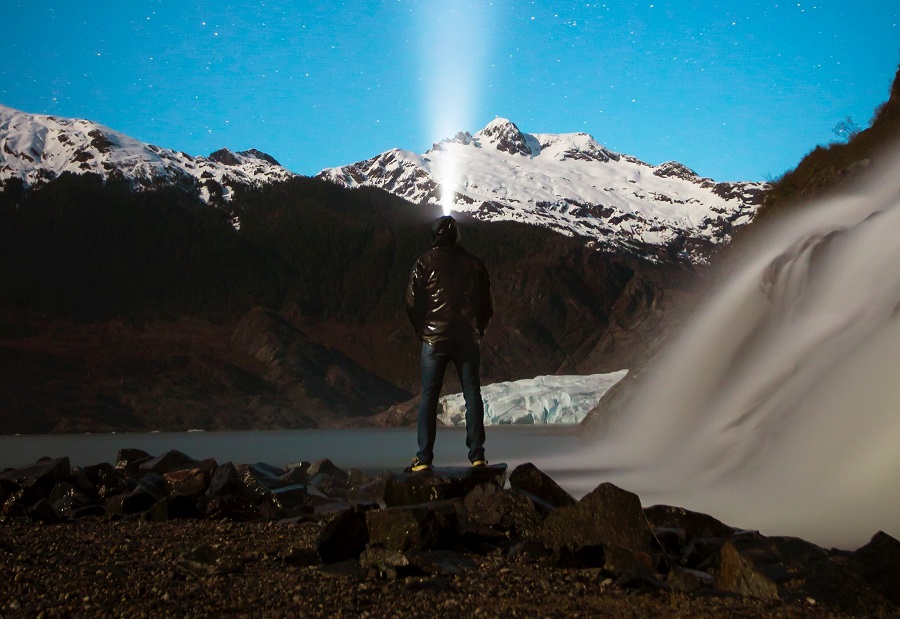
x=479 y=463
x=419 y=466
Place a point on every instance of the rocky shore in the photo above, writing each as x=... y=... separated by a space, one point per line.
x=172 y=536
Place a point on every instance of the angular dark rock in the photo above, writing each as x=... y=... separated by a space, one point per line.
x=296 y=474
x=510 y=512
x=261 y=479
x=42 y=511
x=422 y=527
x=530 y=479
x=755 y=566
x=702 y=553
x=694 y=524
x=187 y=482
x=343 y=538
x=286 y=502
x=69 y=508
x=150 y=490
x=40 y=476
x=228 y=497
x=356 y=477
x=671 y=540
x=158 y=512
x=439 y=484
x=327 y=467
x=329 y=485
x=607 y=516
x=108 y=480
x=226 y=483
x=129 y=457
x=878 y=562
x=169 y=461
x=369 y=492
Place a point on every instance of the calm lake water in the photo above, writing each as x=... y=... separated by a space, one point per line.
x=367 y=449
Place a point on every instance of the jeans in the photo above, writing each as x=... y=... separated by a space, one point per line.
x=466 y=357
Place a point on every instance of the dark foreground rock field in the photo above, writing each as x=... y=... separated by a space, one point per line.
x=172 y=536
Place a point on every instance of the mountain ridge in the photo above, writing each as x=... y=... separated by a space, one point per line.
x=37 y=148
x=569 y=183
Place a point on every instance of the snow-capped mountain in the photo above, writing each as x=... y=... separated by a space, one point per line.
x=567 y=182
x=38 y=148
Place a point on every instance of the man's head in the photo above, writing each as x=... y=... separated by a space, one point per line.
x=444 y=232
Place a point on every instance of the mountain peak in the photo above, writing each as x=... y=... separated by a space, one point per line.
x=570 y=183
x=38 y=148
x=506 y=137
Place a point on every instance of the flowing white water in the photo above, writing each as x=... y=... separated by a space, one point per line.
x=778 y=408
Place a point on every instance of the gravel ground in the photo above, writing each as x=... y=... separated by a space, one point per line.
x=191 y=568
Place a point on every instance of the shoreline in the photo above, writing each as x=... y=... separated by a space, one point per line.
x=173 y=535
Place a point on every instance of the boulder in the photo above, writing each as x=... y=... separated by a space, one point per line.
x=752 y=565
x=187 y=482
x=369 y=492
x=344 y=537
x=702 y=553
x=327 y=467
x=694 y=524
x=329 y=484
x=261 y=479
x=296 y=474
x=42 y=511
x=608 y=517
x=108 y=480
x=439 y=484
x=226 y=483
x=150 y=490
x=421 y=527
x=228 y=497
x=40 y=476
x=286 y=502
x=169 y=461
x=490 y=505
x=128 y=461
x=531 y=480
x=878 y=562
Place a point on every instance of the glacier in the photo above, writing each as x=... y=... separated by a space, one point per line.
x=539 y=400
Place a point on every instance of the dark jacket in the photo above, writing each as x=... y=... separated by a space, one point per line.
x=449 y=293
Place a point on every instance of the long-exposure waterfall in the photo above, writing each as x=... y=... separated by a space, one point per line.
x=778 y=407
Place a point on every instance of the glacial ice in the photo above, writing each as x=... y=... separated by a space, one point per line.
x=543 y=399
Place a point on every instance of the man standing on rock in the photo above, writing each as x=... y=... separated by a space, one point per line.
x=448 y=300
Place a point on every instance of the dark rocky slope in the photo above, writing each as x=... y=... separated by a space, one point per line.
x=117 y=310
x=155 y=535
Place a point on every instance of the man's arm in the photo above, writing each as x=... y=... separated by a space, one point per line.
x=414 y=298
x=486 y=308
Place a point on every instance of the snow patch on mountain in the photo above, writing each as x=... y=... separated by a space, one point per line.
x=569 y=183
x=544 y=399
x=37 y=149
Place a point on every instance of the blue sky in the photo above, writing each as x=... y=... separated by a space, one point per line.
x=734 y=90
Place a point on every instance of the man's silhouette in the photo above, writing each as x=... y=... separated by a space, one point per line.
x=448 y=300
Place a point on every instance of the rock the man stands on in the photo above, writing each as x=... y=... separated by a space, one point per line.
x=448 y=301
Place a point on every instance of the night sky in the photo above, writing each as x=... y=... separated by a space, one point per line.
x=734 y=90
